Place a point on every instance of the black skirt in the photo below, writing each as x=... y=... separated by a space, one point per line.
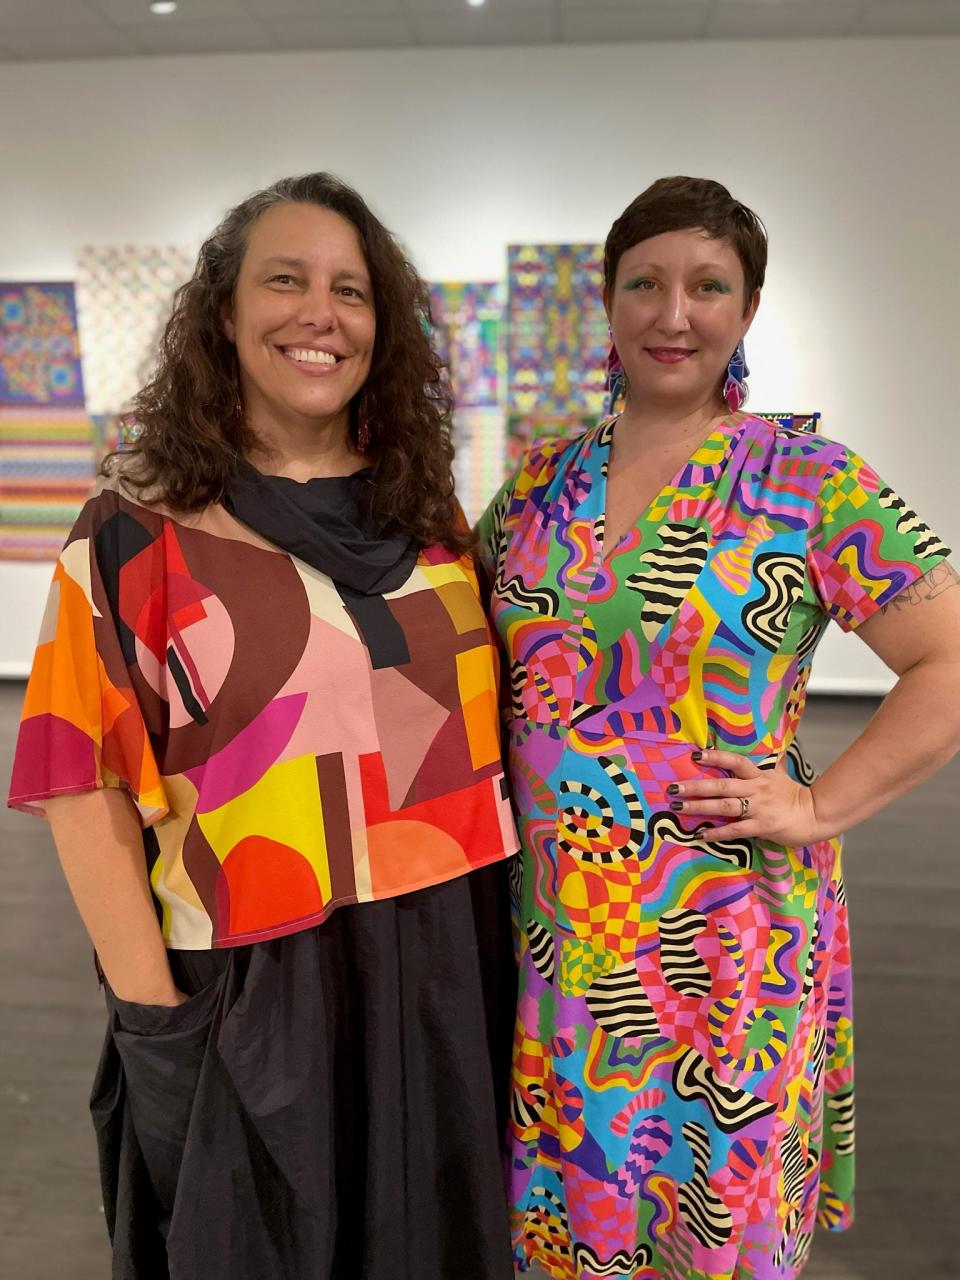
x=326 y=1105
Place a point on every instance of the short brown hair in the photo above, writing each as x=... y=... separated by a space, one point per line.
x=192 y=435
x=681 y=204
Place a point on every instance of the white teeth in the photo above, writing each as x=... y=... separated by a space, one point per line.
x=305 y=356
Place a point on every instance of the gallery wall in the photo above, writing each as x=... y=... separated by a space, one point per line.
x=847 y=149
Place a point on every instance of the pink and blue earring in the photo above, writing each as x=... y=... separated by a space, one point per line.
x=735 y=387
x=616 y=381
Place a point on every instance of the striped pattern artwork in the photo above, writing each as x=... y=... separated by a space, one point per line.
x=46 y=438
x=46 y=475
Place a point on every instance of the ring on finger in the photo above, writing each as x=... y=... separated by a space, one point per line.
x=744 y=806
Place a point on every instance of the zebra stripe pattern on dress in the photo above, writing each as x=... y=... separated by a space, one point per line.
x=542 y=950
x=841 y=1122
x=927 y=542
x=619 y=1004
x=669 y=573
x=542 y=600
x=794 y=1166
x=683 y=966
x=708 y=1218
x=621 y=1263
x=666 y=825
x=782 y=578
x=732 y=1108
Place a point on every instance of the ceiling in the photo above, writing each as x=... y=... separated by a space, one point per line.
x=55 y=29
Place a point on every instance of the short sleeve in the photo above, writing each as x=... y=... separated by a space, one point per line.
x=82 y=728
x=867 y=545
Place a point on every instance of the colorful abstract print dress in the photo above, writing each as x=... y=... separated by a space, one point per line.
x=682 y=1101
x=290 y=745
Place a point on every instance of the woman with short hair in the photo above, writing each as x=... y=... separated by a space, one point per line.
x=682 y=1101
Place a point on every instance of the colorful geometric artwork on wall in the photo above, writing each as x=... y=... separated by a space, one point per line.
x=524 y=430
x=39 y=346
x=793 y=421
x=46 y=475
x=478 y=468
x=468 y=333
x=124 y=296
x=557 y=334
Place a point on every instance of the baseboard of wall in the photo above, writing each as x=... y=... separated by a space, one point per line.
x=852 y=686
x=14 y=670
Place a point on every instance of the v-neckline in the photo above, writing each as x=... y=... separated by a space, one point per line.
x=727 y=424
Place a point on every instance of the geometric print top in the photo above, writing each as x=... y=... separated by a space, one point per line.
x=682 y=1094
x=290 y=745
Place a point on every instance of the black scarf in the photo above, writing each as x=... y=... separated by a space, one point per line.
x=327 y=522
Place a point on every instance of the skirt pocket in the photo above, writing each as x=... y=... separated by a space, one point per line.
x=161 y=1050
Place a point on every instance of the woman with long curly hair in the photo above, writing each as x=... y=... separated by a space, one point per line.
x=262 y=724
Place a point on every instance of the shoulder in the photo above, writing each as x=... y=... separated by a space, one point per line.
x=808 y=456
x=551 y=457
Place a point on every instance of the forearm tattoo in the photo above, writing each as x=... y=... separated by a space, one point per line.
x=940 y=579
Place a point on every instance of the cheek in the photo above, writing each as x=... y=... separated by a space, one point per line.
x=365 y=333
x=260 y=321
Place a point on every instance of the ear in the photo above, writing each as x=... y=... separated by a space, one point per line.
x=606 y=304
x=226 y=319
x=751 y=311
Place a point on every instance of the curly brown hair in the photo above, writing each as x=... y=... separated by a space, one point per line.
x=191 y=432
x=680 y=204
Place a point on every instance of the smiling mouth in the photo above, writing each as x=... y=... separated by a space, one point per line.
x=307 y=355
x=669 y=355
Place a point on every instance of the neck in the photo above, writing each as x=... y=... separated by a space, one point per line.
x=664 y=422
x=304 y=450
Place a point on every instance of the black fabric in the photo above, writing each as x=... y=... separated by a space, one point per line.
x=327 y=522
x=378 y=628
x=325 y=1106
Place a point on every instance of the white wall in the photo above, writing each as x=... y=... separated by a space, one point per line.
x=848 y=150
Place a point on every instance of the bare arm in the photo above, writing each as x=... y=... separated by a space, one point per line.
x=917 y=726
x=98 y=839
x=916 y=730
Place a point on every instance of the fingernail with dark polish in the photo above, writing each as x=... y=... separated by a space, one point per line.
x=673 y=789
x=696 y=755
x=676 y=805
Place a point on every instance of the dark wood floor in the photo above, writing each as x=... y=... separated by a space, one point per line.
x=903 y=873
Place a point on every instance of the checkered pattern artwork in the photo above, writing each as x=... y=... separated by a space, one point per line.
x=124 y=297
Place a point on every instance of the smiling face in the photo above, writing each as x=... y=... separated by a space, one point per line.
x=302 y=319
x=677 y=311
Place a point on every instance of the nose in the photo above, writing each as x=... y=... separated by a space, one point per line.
x=317 y=309
x=674 y=317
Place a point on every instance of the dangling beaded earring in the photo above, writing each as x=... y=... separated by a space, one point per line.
x=616 y=380
x=735 y=387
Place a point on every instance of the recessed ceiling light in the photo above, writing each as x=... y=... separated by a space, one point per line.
x=475 y=4
x=162 y=7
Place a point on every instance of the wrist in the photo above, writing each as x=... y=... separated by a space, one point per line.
x=829 y=820
x=153 y=989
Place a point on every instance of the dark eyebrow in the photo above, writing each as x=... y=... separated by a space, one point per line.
x=298 y=264
x=352 y=275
